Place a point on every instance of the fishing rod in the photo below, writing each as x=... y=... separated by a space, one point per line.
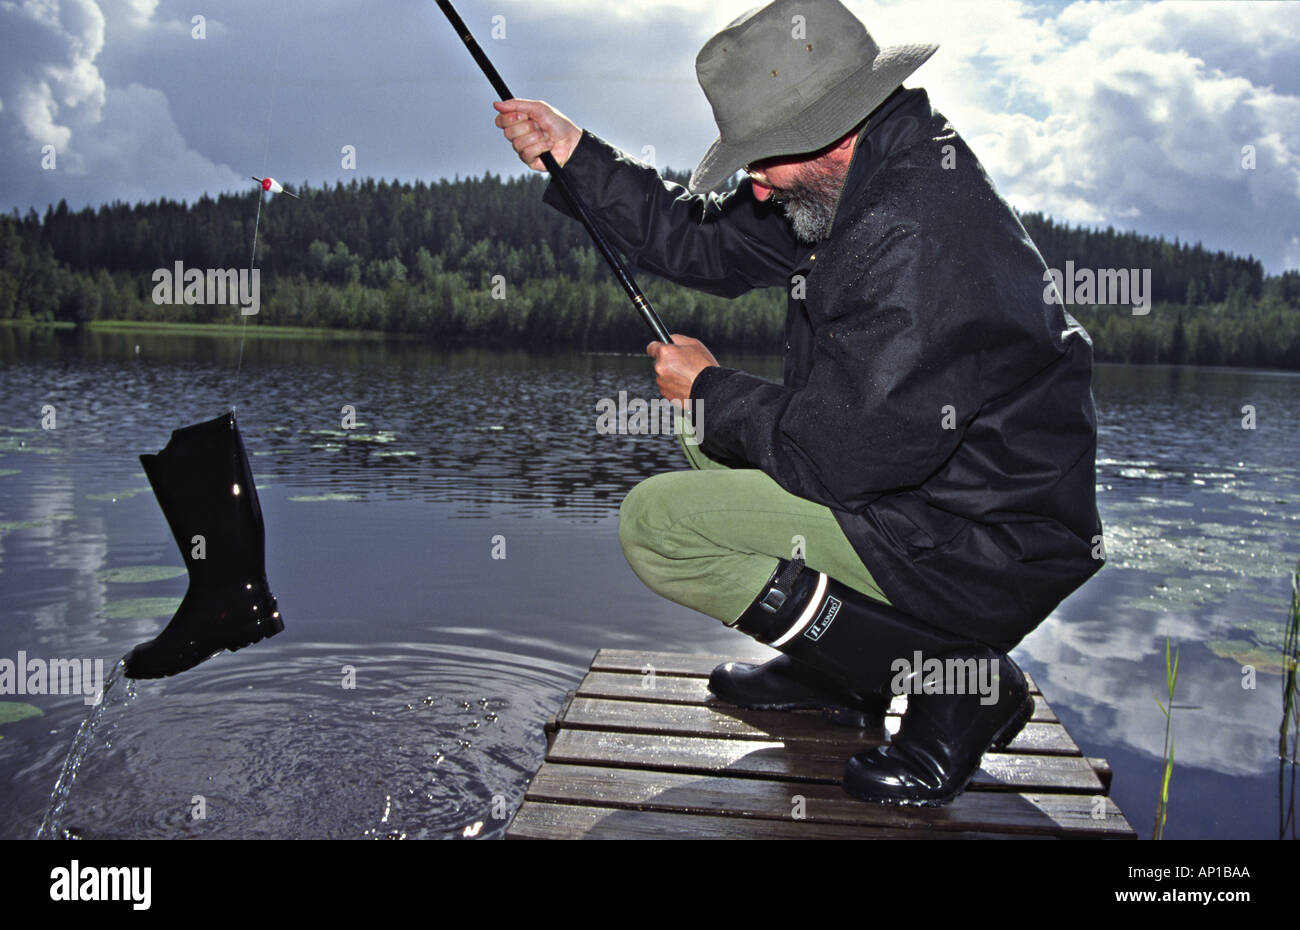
x=616 y=265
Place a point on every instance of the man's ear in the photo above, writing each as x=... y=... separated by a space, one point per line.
x=842 y=150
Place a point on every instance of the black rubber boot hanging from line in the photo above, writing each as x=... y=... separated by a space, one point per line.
x=204 y=485
x=943 y=737
x=839 y=647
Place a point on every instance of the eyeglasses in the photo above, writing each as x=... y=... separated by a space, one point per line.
x=757 y=170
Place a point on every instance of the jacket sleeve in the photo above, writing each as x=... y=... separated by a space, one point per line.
x=722 y=244
x=891 y=352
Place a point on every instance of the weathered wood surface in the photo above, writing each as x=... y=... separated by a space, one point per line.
x=568 y=821
x=668 y=689
x=675 y=663
x=642 y=750
x=794 y=728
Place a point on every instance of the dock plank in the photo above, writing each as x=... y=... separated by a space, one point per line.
x=536 y=821
x=641 y=749
x=681 y=689
x=724 y=720
x=677 y=663
x=777 y=760
x=1075 y=815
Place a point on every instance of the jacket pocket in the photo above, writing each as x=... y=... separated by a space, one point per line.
x=912 y=524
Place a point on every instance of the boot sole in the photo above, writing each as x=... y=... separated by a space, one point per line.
x=263 y=629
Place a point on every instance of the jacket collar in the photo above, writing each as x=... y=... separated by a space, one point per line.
x=890 y=127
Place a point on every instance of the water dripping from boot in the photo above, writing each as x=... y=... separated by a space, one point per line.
x=51 y=825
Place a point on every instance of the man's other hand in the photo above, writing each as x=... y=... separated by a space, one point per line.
x=534 y=127
x=677 y=365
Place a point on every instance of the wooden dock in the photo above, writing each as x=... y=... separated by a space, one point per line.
x=642 y=750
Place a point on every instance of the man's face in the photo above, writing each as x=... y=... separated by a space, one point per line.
x=808 y=190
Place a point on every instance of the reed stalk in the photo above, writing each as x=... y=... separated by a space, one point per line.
x=1171 y=681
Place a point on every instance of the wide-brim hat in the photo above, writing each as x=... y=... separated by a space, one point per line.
x=792 y=77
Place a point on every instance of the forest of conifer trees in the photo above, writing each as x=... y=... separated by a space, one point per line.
x=484 y=260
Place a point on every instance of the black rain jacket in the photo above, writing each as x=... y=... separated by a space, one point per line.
x=931 y=397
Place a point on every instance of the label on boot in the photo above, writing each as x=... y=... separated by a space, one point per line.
x=824 y=619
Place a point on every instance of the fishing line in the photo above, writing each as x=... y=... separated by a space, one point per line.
x=195 y=486
x=266 y=158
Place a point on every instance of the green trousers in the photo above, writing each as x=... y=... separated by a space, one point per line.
x=709 y=538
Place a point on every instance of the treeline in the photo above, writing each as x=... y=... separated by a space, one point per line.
x=1260 y=335
x=483 y=259
x=1180 y=273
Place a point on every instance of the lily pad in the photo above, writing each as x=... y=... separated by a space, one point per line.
x=314 y=498
x=141 y=608
x=383 y=435
x=1262 y=496
x=14 y=444
x=11 y=711
x=136 y=574
x=1246 y=653
x=336 y=433
x=1168 y=546
x=1270 y=600
x=1257 y=511
x=9 y=525
x=6 y=472
x=117 y=495
x=1187 y=593
x=1153 y=474
x=1265 y=632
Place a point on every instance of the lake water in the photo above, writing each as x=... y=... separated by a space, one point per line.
x=381 y=547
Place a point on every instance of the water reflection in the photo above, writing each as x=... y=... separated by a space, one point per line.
x=383 y=535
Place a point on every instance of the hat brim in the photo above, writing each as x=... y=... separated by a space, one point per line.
x=830 y=117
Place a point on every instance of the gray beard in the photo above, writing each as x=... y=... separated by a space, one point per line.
x=810 y=205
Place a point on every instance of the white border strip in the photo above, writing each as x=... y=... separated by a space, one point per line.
x=807 y=616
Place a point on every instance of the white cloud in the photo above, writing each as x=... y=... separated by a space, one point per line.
x=1125 y=113
x=121 y=140
x=53 y=84
x=1132 y=114
x=132 y=13
x=138 y=147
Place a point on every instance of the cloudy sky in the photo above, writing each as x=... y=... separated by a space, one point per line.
x=1131 y=114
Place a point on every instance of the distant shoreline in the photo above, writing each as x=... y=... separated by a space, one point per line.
x=259 y=331
x=270 y=331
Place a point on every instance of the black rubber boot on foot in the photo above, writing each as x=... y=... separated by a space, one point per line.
x=943 y=737
x=839 y=648
x=782 y=683
x=205 y=488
